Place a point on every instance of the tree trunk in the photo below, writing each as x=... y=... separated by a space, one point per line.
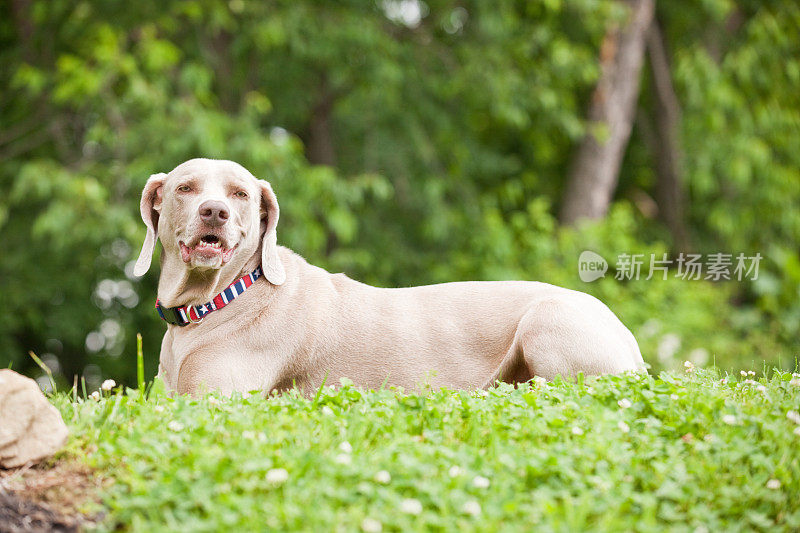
x=595 y=171
x=229 y=94
x=666 y=146
x=21 y=11
x=319 y=144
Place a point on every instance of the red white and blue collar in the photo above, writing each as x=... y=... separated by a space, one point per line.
x=189 y=314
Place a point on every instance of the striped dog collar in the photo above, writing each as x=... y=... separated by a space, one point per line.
x=189 y=314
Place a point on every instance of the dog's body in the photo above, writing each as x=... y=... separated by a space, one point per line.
x=302 y=323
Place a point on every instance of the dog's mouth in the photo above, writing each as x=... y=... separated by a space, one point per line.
x=205 y=248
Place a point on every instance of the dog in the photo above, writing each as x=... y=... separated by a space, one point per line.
x=301 y=326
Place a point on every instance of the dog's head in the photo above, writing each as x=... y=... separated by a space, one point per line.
x=210 y=215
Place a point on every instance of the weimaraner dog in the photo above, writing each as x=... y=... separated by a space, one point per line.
x=301 y=325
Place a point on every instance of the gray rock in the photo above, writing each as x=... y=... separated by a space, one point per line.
x=30 y=428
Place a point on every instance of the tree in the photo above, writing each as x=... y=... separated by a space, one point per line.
x=595 y=171
x=665 y=142
x=408 y=143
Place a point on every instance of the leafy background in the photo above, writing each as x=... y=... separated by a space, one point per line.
x=408 y=143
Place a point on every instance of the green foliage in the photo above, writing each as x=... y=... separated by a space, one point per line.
x=617 y=453
x=742 y=162
x=451 y=135
x=739 y=133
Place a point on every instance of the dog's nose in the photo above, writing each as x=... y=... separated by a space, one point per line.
x=214 y=213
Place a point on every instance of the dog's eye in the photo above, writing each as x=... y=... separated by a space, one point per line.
x=241 y=194
x=184 y=188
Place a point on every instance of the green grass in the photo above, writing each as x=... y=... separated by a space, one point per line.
x=689 y=452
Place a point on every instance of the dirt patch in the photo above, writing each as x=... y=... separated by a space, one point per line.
x=18 y=515
x=54 y=497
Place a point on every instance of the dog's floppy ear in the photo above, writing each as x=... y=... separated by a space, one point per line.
x=150 y=208
x=270 y=262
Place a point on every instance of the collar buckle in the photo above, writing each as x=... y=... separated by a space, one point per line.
x=170 y=315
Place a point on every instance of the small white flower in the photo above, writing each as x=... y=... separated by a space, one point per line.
x=761 y=388
x=729 y=419
x=673 y=396
x=344 y=459
x=794 y=416
x=158 y=408
x=108 y=385
x=382 y=476
x=276 y=476
x=213 y=400
x=576 y=430
x=795 y=375
x=624 y=403
x=689 y=366
x=480 y=482
x=471 y=508
x=743 y=373
x=370 y=525
x=750 y=382
x=797 y=431
x=327 y=411
x=539 y=381
x=175 y=426
x=751 y=373
x=411 y=506
x=623 y=427
x=773 y=484
x=795 y=382
x=455 y=471
x=724 y=381
x=346 y=447
x=95 y=396
x=589 y=390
